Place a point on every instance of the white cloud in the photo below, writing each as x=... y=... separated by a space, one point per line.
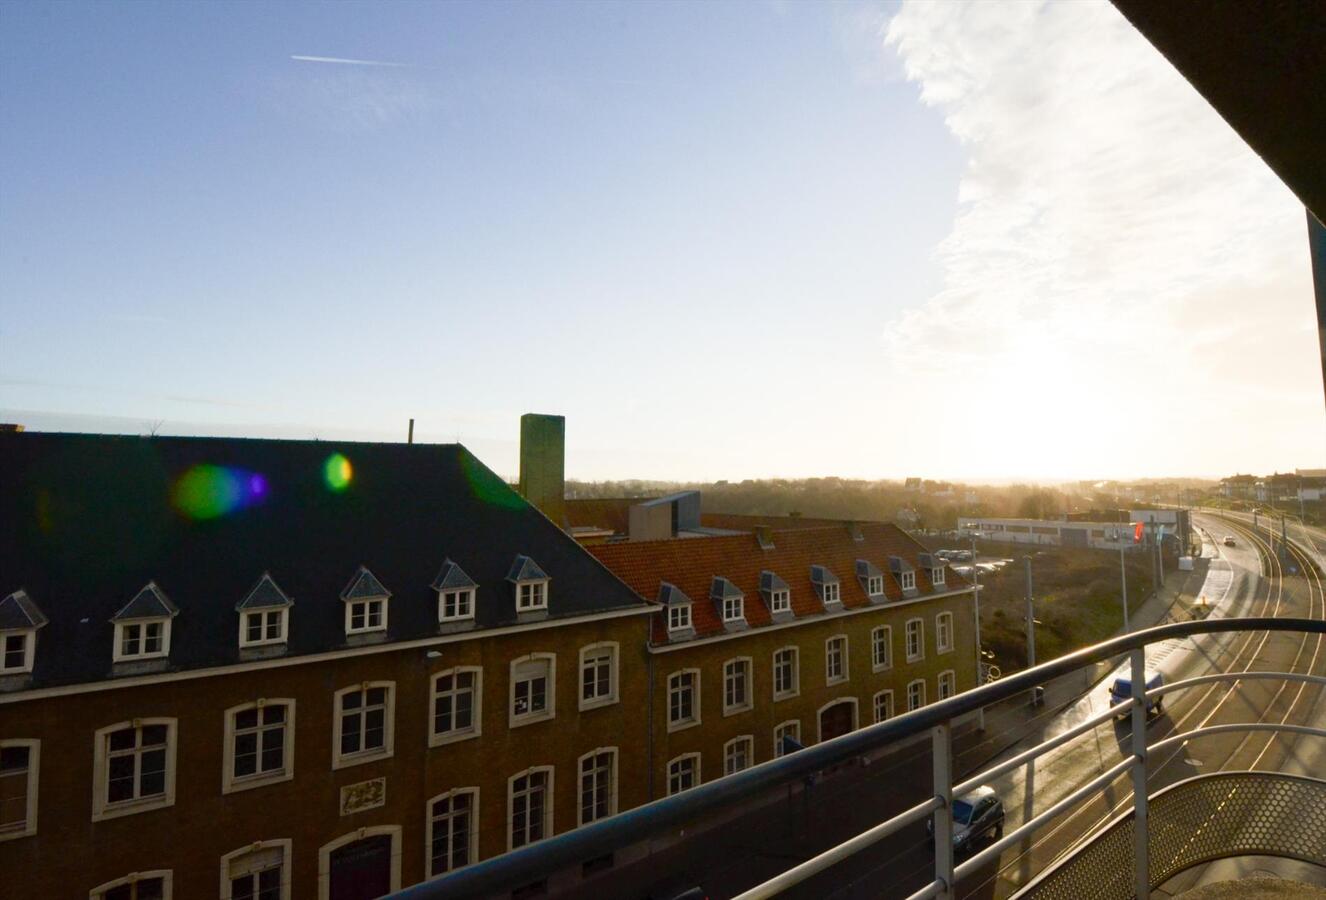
x=1112 y=225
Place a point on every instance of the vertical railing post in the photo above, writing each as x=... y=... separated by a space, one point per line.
x=1141 y=841
x=942 y=740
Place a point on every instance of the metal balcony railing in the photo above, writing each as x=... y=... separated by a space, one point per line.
x=530 y=864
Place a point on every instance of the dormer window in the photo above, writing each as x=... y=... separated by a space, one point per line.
x=937 y=575
x=142 y=627
x=831 y=593
x=531 y=585
x=732 y=609
x=826 y=585
x=908 y=580
x=365 y=602
x=729 y=599
x=776 y=593
x=871 y=578
x=904 y=573
x=679 y=617
x=676 y=611
x=875 y=585
x=264 y=615
x=934 y=566
x=19 y=620
x=455 y=593
x=780 y=601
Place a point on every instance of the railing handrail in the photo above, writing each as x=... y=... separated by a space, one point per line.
x=531 y=863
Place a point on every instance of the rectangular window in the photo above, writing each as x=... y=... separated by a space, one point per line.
x=732 y=609
x=598 y=775
x=451 y=831
x=738 y=754
x=14 y=651
x=736 y=685
x=142 y=640
x=598 y=678
x=367 y=615
x=683 y=773
x=136 y=763
x=785 y=673
x=365 y=721
x=780 y=601
x=786 y=730
x=531 y=690
x=679 y=617
x=532 y=595
x=937 y=575
x=881 y=648
x=915 y=695
x=908 y=580
x=943 y=632
x=265 y=626
x=915 y=640
x=883 y=706
x=455 y=704
x=531 y=808
x=456 y=605
x=18 y=788
x=256 y=875
x=835 y=660
x=683 y=702
x=258 y=742
x=831 y=592
x=875 y=585
x=946 y=684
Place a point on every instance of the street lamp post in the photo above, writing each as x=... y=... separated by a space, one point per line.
x=1123 y=580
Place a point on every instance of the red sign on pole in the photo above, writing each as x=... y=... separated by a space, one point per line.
x=1138 y=527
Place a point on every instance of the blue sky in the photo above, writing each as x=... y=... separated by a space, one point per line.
x=724 y=239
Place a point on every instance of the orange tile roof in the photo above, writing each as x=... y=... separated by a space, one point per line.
x=691 y=565
x=604 y=512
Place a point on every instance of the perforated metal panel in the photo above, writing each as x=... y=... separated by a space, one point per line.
x=1198 y=820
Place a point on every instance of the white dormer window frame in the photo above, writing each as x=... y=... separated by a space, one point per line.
x=679 y=617
x=780 y=601
x=455 y=604
x=734 y=609
x=272 y=624
x=875 y=585
x=532 y=595
x=139 y=639
x=908 y=580
x=937 y=575
x=831 y=592
x=18 y=650
x=371 y=613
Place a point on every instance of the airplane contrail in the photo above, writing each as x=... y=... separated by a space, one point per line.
x=350 y=62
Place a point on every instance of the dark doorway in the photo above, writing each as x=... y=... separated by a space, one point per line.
x=837 y=720
x=361 y=870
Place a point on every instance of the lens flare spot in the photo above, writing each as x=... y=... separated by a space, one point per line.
x=338 y=472
x=207 y=492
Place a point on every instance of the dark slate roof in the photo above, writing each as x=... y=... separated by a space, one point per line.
x=525 y=569
x=149 y=603
x=87 y=520
x=930 y=561
x=18 y=611
x=822 y=575
x=866 y=569
x=769 y=582
x=899 y=565
x=451 y=577
x=266 y=594
x=670 y=595
x=720 y=588
x=364 y=586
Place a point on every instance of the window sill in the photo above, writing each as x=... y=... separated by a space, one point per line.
x=877 y=669
x=943 y=651
x=737 y=710
x=529 y=719
x=682 y=726
x=598 y=703
x=248 y=782
x=787 y=696
x=132 y=807
x=842 y=679
x=916 y=659
x=16 y=833
x=363 y=756
x=453 y=737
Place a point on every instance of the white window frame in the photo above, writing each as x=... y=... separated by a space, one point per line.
x=166 y=876
x=614 y=655
x=908 y=580
x=430 y=824
x=778 y=735
x=286 y=874
x=538 y=592
x=728 y=749
x=580 y=785
x=944 y=632
x=365 y=602
x=949 y=676
x=102 y=808
x=34 y=773
x=549 y=794
x=549 y=711
x=229 y=781
x=887 y=697
x=747 y=669
x=694 y=720
x=845 y=674
x=832 y=592
x=117 y=649
x=358 y=757
x=780 y=601
x=326 y=850
x=919 y=682
x=919 y=653
x=881 y=637
x=682 y=618
x=937 y=575
x=29 y=636
x=281 y=611
x=464 y=600
x=677 y=761
x=875 y=585
x=437 y=739
x=734 y=609
x=795 y=689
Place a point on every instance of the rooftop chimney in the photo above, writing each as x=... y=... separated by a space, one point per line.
x=764 y=534
x=543 y=463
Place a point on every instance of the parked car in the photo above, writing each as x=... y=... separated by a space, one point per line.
x=977 y=815
x=1122 y=689
x=1229 y=540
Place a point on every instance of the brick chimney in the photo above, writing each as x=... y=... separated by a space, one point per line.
x=543 y=464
